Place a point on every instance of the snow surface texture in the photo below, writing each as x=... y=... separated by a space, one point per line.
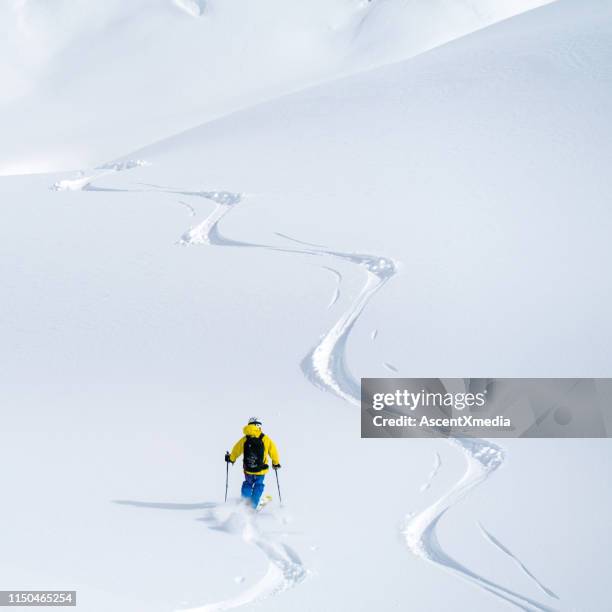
x=442 y=205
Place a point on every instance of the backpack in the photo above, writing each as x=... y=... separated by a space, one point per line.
x=254 y=454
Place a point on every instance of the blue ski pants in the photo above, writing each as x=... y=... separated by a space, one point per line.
x=252 y=488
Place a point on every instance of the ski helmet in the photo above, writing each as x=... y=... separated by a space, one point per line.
x=255 y=421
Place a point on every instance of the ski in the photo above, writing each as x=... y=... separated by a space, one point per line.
x=263 y=502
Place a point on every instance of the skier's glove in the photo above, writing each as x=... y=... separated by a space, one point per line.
x=276 y=466
x=227 y=458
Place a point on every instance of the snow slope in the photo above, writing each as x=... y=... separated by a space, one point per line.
x=84 y=81
x=447 y=215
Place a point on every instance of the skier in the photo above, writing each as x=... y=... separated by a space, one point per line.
x=256 y=447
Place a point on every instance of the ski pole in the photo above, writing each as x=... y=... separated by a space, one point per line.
x=226 y=477
x=280 y=499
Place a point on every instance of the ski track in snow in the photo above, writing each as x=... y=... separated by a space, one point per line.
x=193 y=8
x=189 y=207
x=336 y=294
x=434 y=471
x=521 y=565
x=325 y=367
x=419 y=530
x=312 y=244
x=83 y=182
x=285 y=568
x=390 y=367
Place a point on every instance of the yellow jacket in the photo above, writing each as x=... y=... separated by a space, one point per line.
x=270 y=449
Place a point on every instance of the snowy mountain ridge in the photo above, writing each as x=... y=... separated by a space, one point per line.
x=85 y=81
